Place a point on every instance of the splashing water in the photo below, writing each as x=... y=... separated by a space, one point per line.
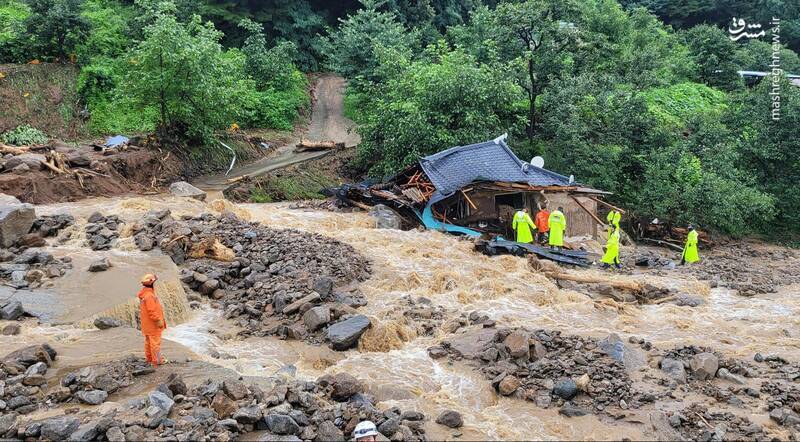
x=447 y=271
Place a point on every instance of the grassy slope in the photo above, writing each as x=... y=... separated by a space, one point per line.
x=43 y=96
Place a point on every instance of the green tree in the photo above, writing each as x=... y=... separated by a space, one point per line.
x=714 y=54
x=536 y=37
x=270 y=67
x=769 y=148
x=352 y=50
x=57 y=26
x=182 y=70
x=444 y=100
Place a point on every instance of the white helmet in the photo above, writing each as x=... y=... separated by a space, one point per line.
x=365 y=429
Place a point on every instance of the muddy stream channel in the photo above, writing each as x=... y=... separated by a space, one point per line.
x=395 y=365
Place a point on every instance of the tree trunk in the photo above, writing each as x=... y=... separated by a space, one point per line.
x=532 y=97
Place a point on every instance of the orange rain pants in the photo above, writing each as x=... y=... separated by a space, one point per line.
x=152 y=349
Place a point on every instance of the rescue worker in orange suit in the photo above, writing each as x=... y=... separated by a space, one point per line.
x=151 y=315
x=542 y=224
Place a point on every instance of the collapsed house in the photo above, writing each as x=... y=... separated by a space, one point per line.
x=475 y=190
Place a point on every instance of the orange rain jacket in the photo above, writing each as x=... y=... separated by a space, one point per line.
x=150 y=311
x=543 y=221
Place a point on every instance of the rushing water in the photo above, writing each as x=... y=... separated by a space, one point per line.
x=447 y=271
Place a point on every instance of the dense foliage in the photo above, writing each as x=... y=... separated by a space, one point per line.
x=638 y=97
x=659 y=117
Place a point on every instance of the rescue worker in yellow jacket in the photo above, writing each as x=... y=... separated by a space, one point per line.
x=611 y=257
x=558 y=225
x=690 y=254
x=522 y=225
x=613 y=219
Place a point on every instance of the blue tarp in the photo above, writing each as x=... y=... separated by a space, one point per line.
x=116 y=141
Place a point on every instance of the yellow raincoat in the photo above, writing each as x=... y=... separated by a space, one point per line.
x=690 y=254
x=558 y=224
x=611 y=256
x=613 y=218
x=523 y=224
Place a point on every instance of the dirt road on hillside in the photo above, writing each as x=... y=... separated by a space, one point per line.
x=327 y=123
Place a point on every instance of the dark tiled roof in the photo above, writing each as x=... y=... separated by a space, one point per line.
x=492 y=160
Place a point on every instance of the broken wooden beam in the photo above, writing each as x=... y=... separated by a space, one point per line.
x=588 y=211
x=309 y=145
x=611 y=206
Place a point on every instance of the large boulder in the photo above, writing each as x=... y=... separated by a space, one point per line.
x=450 y=418
x=704 y=365
x=345 y=386
x=674 y=369
x=509 y=385
x=32 y=354
x=345 y=334
x=8 y=200
x=59 y=428
x=328 y=432
x=471 y=344
x=385 y=218
x=518 y=345
x=16 y=221
x=105 y=322
x=184 y=189
x=317 y=317
x=92 y=397
x=11 y=310
x=282 y=424
x=34 y=161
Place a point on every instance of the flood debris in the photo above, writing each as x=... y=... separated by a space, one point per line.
x=474 y=190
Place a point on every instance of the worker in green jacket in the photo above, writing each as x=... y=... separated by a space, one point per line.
x=690 y=254
x=558 y=224
x=611 y=257
x=522 y=225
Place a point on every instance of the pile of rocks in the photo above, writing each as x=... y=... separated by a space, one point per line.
x=30 y=268
x=696 y=422
x=325 y=410
x=270 y=282
x=783 y=402
x=51 y=225
x=102 y=231
x=579 y=374
x=22 y=379
x=694 y=363
x=91 y=385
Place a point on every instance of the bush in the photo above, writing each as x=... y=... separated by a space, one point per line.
x=24 y=135
x=13 y=42
x=276 y=109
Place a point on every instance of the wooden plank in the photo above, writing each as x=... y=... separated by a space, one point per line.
x=471 y=204
x=588 y=211
x=598 y=200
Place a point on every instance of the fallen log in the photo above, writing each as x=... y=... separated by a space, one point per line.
x=308 y=145
x=632 y=286
x=664 y=243
x=13 y=150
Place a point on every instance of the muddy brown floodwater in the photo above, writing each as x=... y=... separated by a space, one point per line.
x=448 y=272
